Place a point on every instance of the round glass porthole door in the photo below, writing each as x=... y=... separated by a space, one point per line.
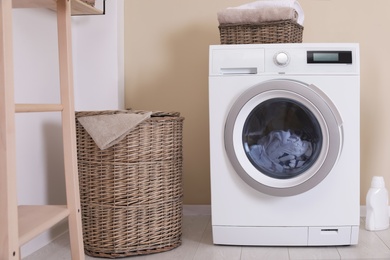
x=283 y=137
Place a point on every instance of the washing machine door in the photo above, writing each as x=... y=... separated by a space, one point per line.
x=283 y=137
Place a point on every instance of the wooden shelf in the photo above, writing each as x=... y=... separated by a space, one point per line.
x=78 y=7
x=19 y=108
x=33 y=220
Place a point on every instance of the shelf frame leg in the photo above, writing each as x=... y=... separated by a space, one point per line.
x=69 y=128
x=9 y=236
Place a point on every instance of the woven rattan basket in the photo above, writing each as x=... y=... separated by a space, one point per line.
x=283 y=31
x=131 y=193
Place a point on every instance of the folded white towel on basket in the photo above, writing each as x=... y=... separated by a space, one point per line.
x=294 y=4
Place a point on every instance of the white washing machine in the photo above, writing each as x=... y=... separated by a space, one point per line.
x=284 y=144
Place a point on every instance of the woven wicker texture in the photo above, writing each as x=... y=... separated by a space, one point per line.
x=131 y=193
x=283 y=31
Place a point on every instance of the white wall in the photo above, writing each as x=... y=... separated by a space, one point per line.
x=98 y=59
x=98 y=78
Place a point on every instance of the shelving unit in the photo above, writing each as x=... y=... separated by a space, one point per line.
x=19 y=224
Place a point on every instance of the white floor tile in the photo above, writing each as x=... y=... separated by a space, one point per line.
x=384 y=235
x=312 y=253
x=370 y=246
x=269 y=253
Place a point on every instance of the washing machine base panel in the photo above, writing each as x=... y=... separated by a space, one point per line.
x=285 y=236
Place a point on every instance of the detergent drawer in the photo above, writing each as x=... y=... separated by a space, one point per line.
x=236 y=62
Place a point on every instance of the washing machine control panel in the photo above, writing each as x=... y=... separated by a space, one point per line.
x=261 y=59
x=281 y=58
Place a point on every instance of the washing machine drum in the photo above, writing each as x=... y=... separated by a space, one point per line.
x=283 y=137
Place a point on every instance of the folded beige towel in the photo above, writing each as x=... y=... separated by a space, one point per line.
x=108 y=130
x=256 y=16
x=261 y=4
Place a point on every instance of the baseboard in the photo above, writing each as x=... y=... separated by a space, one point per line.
x=363 y=211
x=196 y=210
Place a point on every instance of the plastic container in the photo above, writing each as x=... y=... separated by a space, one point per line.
x=377 y=200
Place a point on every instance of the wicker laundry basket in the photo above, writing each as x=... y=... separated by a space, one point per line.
x=282 y=31
x=131 y=193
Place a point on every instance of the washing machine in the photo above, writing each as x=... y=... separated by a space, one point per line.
x=284 y=144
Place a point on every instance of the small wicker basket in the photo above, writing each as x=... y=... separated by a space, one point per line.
x=131 y=193
x=282 y=31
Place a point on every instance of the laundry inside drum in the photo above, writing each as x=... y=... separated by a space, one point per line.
x=282 y=138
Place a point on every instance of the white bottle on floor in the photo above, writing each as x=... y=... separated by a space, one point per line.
x=377 y=200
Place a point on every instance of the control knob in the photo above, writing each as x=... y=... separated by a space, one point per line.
x=281 y=59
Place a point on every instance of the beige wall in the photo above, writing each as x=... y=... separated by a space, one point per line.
x=166 y=68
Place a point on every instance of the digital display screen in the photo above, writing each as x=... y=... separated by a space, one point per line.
x=333 y=57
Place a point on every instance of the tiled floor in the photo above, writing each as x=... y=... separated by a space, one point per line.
x=197 y=245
